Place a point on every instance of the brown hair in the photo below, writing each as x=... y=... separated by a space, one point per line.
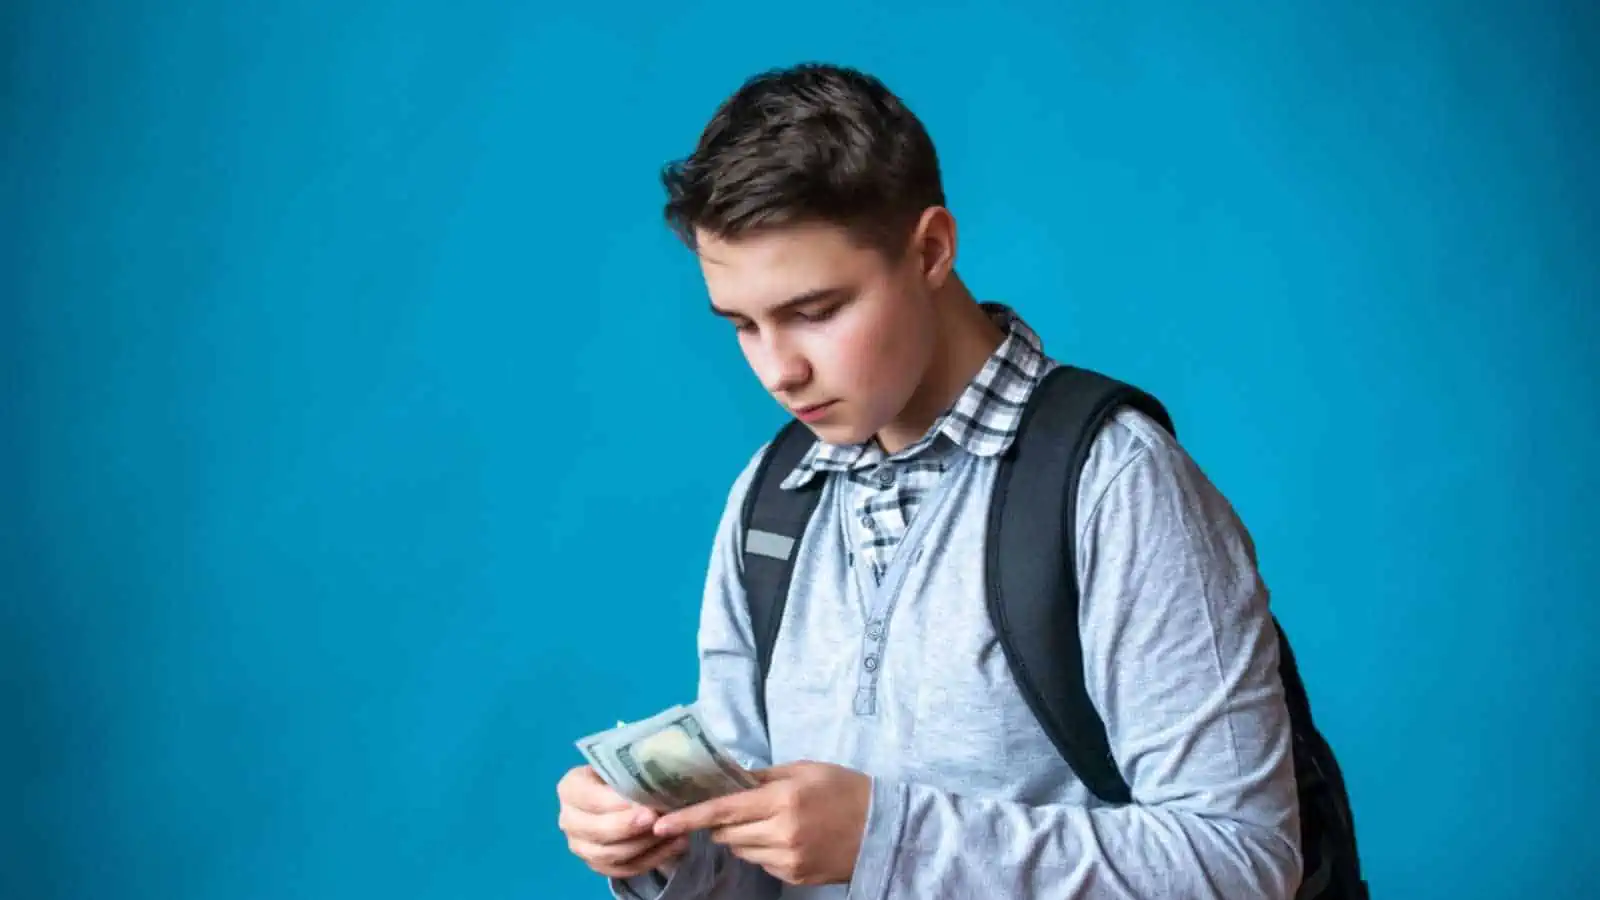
x=810 y=143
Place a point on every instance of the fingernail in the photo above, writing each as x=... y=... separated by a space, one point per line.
x=643 y=818
x=665 y=828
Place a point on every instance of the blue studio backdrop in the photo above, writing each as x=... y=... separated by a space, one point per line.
x=364 y=430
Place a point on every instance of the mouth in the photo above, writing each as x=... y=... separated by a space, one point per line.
x=813 y=413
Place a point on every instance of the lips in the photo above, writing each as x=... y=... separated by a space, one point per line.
x=814 y=412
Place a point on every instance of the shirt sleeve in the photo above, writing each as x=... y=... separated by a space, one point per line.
x=1181 y=661
x=726 y=702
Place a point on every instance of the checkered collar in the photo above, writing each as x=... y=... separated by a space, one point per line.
x=983 y=420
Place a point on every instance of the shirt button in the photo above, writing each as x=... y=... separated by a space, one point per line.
x=874 y=634
x=866 y=519
x=872 y=663
x=886 y=476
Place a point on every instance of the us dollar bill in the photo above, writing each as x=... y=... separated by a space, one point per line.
x=668 y=761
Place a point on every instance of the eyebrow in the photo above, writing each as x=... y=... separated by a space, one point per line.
x=792 y=302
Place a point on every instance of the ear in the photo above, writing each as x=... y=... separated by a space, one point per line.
x=933 y=246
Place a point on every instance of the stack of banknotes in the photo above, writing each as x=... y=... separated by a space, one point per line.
x=665 y=762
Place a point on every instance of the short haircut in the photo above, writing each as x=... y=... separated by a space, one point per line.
x=813 y=143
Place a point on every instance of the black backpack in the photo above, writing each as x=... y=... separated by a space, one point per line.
x=1033 y=603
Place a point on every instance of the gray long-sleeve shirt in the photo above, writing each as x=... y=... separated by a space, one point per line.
x=907 y=684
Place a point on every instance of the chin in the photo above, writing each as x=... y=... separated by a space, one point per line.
x=842 y=434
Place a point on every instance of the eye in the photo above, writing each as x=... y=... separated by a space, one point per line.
x=818 y=314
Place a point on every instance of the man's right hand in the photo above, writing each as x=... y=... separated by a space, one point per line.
x=609 y=832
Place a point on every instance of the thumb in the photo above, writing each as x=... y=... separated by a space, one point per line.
x=776 y=773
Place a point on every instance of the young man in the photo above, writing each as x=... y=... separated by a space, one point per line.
x=898 y=758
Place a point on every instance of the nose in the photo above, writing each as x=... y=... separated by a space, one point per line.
x=780 y=366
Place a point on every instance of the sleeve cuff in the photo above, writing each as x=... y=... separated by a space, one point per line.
x=886 y=819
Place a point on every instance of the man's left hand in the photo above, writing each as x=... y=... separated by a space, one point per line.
x=803 y=824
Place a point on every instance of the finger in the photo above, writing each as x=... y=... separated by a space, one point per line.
x=746 y=835
x=774 y=773
x=616 y=853
x=611 y=827
x=586 y=791
x=732 y=809
x=777 y=862
x=666 y=850
x=607 y=861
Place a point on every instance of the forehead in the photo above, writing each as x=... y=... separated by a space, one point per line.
x=761 y=270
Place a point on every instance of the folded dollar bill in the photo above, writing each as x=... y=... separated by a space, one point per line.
x=665 y=762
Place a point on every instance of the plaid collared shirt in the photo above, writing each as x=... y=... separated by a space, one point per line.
x=884 y=491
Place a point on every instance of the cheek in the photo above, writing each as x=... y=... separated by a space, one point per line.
x=860 y=353
x=878 y=355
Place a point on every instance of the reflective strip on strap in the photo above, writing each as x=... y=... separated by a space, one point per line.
x=767 y=543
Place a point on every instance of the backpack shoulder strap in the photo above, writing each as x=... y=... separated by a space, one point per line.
x=1030 y=570
x=773 y=521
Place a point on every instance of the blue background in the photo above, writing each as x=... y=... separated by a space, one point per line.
x=365 y=430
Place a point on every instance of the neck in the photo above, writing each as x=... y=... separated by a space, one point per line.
x=964 y=339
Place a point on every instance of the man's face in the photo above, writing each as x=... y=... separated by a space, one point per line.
x=837 y=333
